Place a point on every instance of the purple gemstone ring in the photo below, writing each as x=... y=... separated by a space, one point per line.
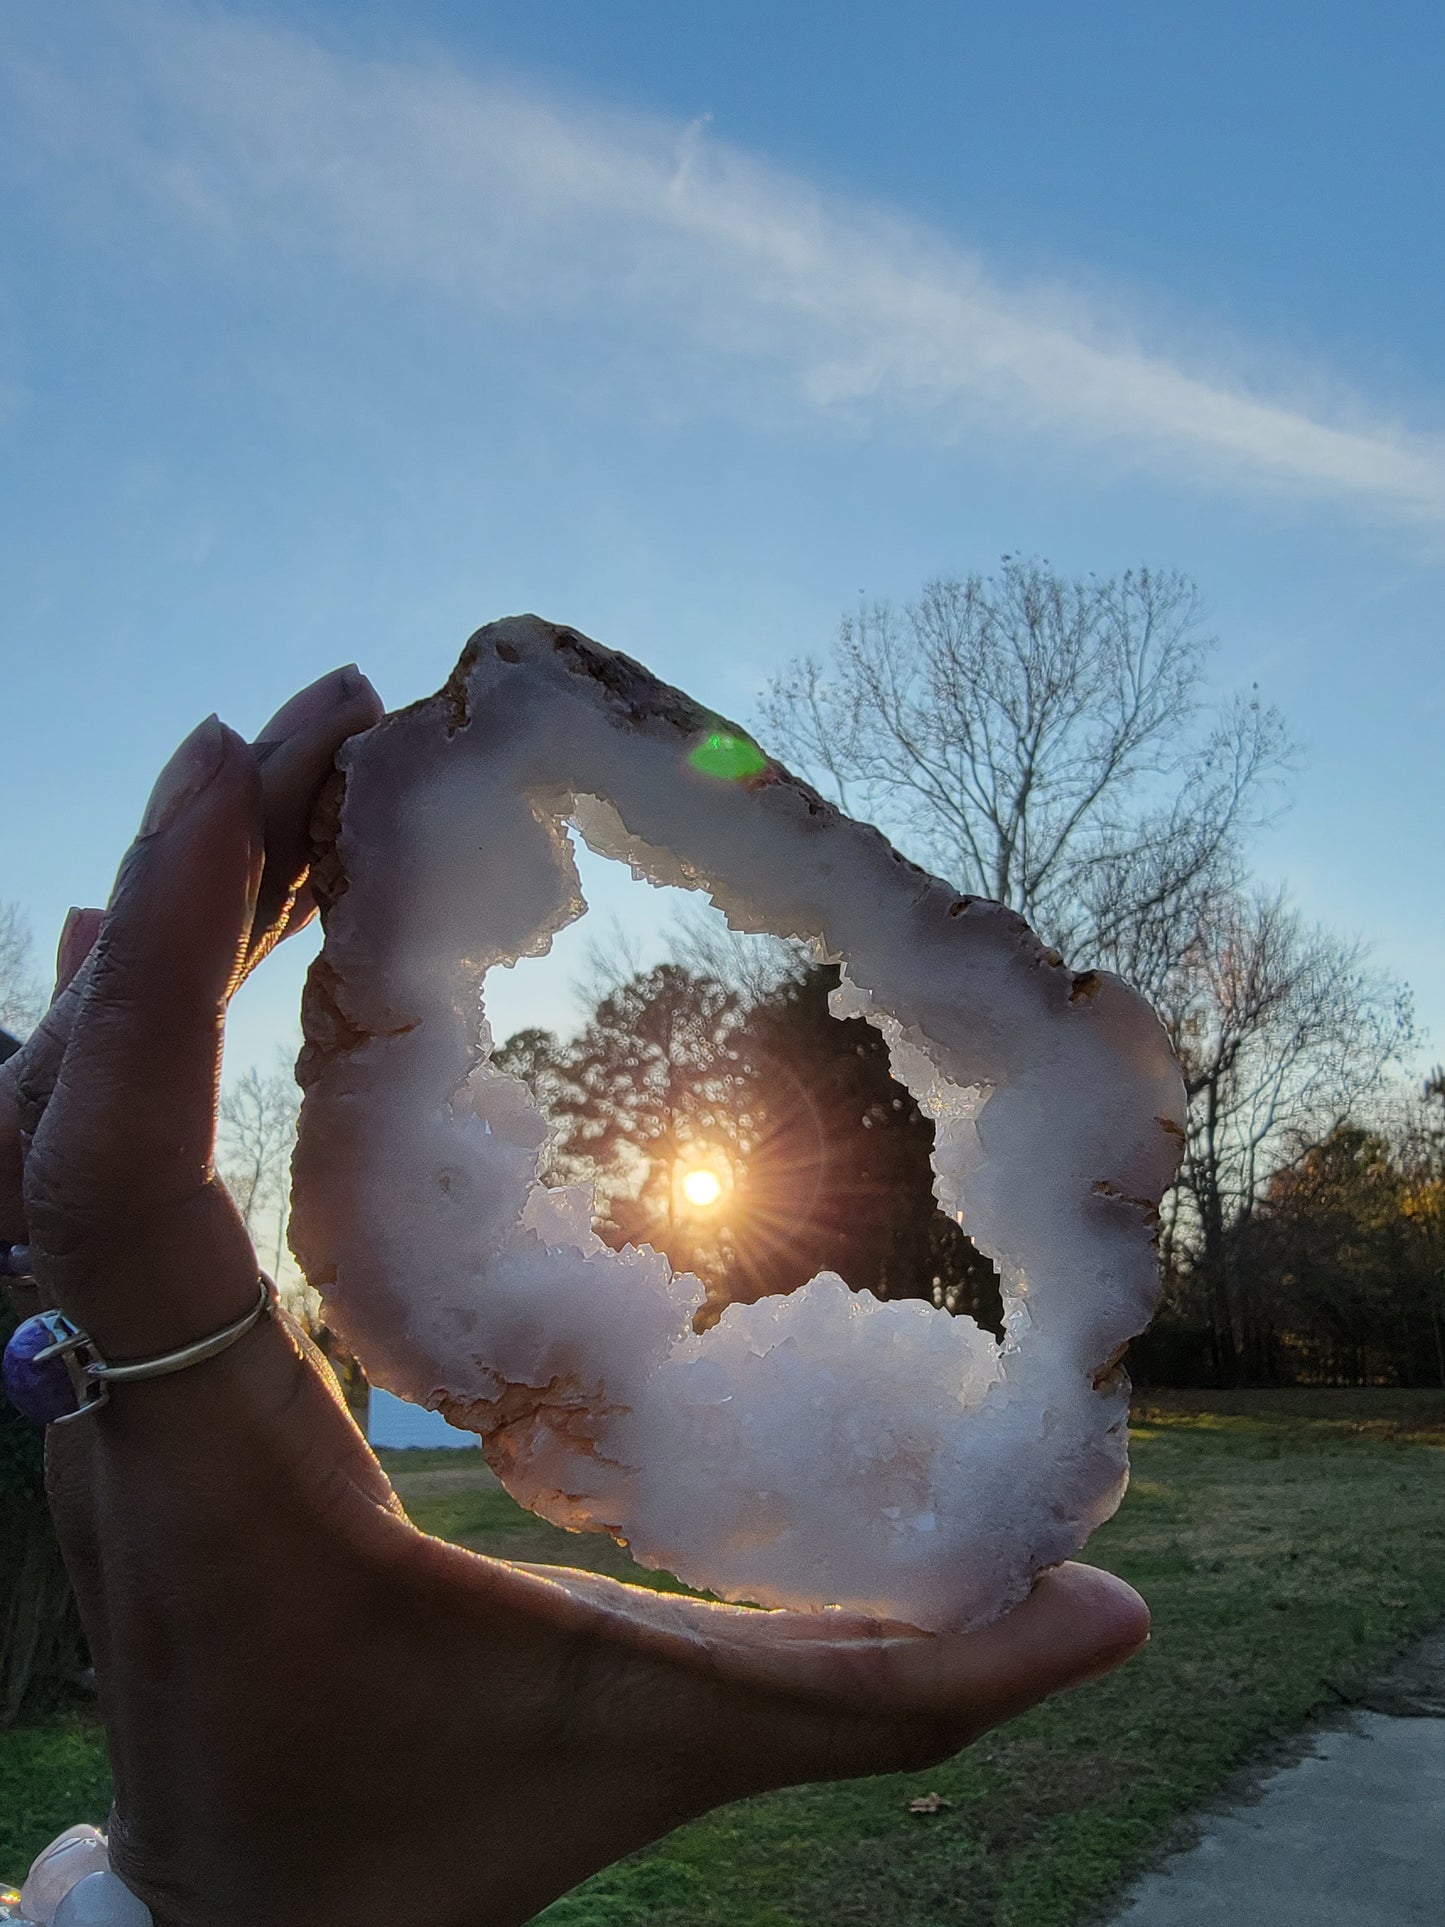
x=53 y=1373
x=36 y=1377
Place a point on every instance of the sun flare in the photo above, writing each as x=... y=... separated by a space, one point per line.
x=702 y=1188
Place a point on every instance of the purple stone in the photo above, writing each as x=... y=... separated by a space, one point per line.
x=40 y=1388
x=14 y=1261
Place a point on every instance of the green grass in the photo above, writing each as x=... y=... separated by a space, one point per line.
x=461 y=1502
x=1289 y=1544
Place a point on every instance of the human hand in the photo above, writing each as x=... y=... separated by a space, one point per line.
x=315 y=1713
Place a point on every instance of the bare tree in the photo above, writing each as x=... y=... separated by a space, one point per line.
x=1043 y=742
x=1282 y=1029
x=1050 y=743
x=754 y=966
x=611 y=958
x=22 y=997
x=257 y=1133
x=699 y=941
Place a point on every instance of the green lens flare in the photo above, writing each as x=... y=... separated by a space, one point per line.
x=728 y=756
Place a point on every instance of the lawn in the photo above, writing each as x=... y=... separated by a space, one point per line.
x=1288 y=1542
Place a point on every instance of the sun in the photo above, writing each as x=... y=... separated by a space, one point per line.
x=702 y=1188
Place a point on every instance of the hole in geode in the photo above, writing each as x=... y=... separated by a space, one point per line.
x=725 y=1117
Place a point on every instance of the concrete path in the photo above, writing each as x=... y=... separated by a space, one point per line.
x=1351 y=1835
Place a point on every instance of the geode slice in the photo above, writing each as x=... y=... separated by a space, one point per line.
x=823 y=1448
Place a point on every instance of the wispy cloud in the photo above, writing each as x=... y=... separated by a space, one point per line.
x=417 y=173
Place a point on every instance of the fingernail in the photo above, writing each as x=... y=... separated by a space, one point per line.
x=184 y=776
x=314 y=703
x=77 y=934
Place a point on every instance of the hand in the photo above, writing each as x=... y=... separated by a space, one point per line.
x=316 y=1714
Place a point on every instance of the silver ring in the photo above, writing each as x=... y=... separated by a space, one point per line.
x=92 y=1377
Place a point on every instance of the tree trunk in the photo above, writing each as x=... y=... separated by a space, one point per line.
x=1213 y=1254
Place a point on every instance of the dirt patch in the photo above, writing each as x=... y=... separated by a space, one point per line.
x=1050 y=1784
x=1414 y=1687
x=544 y=1545
x=442 y=1480
x=1379 y=1412
x=882 y=1884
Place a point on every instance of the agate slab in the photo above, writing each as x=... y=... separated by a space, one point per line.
x=820 y=1449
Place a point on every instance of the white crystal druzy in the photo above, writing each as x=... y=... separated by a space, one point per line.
x=820 y=1449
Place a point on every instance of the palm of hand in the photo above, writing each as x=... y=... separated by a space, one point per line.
x=315 y=1713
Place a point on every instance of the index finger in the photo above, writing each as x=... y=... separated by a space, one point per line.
x=296 y=749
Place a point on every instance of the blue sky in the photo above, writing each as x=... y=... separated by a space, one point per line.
x=331 y=331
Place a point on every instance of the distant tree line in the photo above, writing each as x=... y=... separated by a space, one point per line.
x=1338 y=1269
